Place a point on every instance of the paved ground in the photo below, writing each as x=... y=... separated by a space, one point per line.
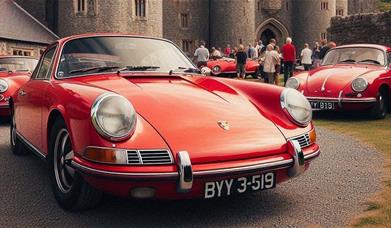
x=333 y=190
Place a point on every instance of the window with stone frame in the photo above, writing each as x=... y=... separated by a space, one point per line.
x=184 y=20
x=22 y=52
x=80 y=7
x=340 y=12
x=323 y=35
x=324 y=5
x=187 y=45
x=92 y=7
x=140 y=8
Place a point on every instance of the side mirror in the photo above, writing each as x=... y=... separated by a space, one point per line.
x=206 y=71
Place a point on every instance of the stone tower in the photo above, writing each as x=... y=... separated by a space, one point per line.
x=341 y=7
x=232 y=22
x=109 y=16
x=312 y=20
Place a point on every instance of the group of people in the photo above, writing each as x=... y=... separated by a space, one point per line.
x=271 y=57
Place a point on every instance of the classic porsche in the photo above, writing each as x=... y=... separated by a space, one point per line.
x=226 y=67
x=14 y=72
x=132 y=116
x=351 y=77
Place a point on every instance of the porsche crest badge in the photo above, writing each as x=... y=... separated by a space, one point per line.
x=224 y=125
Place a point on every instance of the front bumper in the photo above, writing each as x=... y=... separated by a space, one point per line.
x=187 y=180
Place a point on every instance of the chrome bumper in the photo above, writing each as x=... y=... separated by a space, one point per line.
x=4 y=106
x=185 y=175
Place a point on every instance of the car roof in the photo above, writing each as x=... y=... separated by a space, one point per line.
x=377 y=46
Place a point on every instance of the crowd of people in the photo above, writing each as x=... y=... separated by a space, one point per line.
x=272 y=59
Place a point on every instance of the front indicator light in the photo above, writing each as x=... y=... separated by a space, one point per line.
x=312 y=135
x=106 y=155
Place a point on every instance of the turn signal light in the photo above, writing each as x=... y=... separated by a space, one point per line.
x=312 y=136
x=105 y=155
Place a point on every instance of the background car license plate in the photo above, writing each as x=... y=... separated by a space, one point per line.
x=322 y=105
x=239 y=185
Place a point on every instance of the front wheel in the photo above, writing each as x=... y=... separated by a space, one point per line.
x=69 y=188
x=379 y=111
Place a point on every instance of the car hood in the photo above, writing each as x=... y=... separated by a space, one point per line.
x=330 y=80
x=187 y=117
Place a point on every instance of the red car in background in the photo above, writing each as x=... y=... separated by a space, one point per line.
x=132 y=116
x=14 y=72
x=226 y=67
x=351 y=77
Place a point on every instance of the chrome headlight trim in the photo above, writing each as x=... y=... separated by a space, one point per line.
x=97 y=124
x=292 y=83
x=216 y=70
x=356 y=84
x=3 y=86
x=287 y=108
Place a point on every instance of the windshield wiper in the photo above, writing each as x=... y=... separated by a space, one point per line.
x=138 y=68
x=370 y=61
x=185 y=70
x=98 y=69
x=347 y=61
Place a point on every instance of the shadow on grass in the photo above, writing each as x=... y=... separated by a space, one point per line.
x=344 y=116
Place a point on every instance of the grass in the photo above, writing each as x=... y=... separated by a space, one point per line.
x=376 y=133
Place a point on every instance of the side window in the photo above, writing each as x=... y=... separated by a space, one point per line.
x=45 y=66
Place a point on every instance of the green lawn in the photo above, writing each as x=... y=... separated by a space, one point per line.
x=376 y=133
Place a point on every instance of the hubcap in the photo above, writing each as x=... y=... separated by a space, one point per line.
x=63 y=155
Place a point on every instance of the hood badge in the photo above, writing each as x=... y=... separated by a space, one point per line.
x=224 y=124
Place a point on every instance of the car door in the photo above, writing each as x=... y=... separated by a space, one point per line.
x=32 y=99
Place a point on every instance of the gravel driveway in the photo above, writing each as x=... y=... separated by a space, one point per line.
x=332 y=191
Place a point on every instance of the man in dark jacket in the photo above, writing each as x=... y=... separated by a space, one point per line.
x=241 y=59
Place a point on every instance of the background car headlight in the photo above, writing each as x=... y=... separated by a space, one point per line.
x=296 y=107
x=3 y=86
x=113 y=116
x=292 y=83
x=216 y=69
x=359 y=84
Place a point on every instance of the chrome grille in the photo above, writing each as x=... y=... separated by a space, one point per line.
x=304 y=140
x=149 y=157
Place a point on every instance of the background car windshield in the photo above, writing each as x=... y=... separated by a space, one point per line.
x=17 y=64
x=355 y=55
x=82 y=56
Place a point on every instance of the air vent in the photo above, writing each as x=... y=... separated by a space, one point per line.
x=149 y=157
x=304 y=140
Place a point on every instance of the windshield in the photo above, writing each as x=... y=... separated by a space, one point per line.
x=110 y=54
x=355 y=55
x=17 y=64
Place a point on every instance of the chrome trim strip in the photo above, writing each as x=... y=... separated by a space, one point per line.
x=353 y=100
x=340 y=99
x=185 y=171
x=298 y=160
x=311 y=155
x=31 y=146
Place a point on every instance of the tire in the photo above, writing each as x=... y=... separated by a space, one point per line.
x=70 y=190
x=379 y=111
x=17 y=146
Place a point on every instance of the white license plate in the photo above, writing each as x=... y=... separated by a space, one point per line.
x=239 y=185
x=322 y=105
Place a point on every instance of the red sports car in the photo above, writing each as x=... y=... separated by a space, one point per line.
x=352 y=77
x=226 y=67
x=132 y=116
x=14 y=72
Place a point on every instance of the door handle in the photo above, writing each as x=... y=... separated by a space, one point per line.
x=22 y=93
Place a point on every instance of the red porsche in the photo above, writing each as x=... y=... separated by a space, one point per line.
x=132 y=116
x=226 y=67
x=352 y=77
x=14 y=72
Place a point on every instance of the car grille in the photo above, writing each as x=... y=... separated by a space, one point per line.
x=304 y=140
x=149 y=157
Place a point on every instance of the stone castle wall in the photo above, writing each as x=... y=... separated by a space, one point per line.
x=361 y=28
x=7 y=47
x=362 y=6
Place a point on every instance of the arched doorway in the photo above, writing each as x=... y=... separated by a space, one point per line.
x=272 y=28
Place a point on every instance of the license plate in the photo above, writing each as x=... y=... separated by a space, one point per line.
x=322 y=105
x=235 y=186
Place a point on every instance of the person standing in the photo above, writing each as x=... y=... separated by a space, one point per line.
x=227 y=50
x=272 y=59
x=305 y=55
x=201 y=55
x=315 y=55
x=241 y=59
x=289 y=58
x=251 y=53
x=323 y=49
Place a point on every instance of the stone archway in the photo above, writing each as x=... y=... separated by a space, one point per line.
x=272 y=28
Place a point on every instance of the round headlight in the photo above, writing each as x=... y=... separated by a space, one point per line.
x=296 y=107
x=359 y=84
x=216 y=69
x=113 y=116
x=292 y=83
x=3 y=86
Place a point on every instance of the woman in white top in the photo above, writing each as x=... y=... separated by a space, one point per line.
x=272 y=58
x=306 y=59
